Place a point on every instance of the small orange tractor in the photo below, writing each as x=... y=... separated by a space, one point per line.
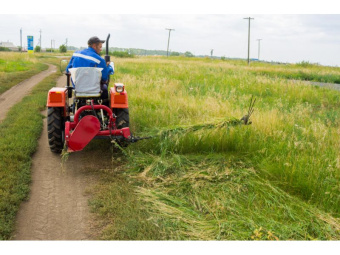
x=87 y=117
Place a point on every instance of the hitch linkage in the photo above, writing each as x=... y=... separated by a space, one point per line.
x=133 y=139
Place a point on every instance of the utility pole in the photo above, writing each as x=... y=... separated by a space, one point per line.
x=40 y=39
x=66 y=43
x=248 y=37
x=167 y=51
x=51 y=46
x=20 y=39
x=259 y=40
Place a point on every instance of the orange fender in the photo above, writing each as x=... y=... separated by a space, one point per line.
x=57 y=97
x=118 y=100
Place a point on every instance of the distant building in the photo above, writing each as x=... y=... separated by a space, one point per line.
x=9 y=45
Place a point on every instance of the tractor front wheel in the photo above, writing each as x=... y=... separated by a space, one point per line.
x=55 y=129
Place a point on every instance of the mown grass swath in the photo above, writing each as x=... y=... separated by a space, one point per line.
x=16 y=67
x=19 y=138
x=277 y=178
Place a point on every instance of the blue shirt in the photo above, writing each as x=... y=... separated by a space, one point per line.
x=89 y=58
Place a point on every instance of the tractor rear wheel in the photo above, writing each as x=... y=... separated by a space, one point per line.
x=122 y=119
x=55 y=129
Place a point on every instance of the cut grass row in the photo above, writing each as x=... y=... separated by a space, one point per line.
x=295 y=124
x=19 y=139
x=284 y=169
x=201 y=197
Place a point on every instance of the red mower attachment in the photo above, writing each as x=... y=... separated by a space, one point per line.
x=79 y=133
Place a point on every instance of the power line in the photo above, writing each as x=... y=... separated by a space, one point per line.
x=167 y=51
x=40 y=39
x=259 y=40
x=248 y=37
x=20 y=39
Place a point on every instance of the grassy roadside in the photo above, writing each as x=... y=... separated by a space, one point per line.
x=17 y=67
x=19 y=138
x=276 y=179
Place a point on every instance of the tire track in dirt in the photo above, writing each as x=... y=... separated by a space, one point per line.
x=57 y=208
x=16 y=93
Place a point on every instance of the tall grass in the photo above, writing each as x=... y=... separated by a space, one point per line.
x=284 y=168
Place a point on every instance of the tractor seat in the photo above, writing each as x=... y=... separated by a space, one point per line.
x=86 y=81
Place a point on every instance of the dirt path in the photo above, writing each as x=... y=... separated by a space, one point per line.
x=326 y=85
x=333 y=86
x=16 y=93
x=57 y=208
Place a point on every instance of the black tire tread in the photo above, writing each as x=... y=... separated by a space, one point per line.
x=122 y=119
x=55 y=129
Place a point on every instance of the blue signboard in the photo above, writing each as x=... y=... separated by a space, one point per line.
x=30 y=46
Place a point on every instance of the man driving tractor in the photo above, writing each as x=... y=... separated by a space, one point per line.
x=90 y=58
x=86 y=111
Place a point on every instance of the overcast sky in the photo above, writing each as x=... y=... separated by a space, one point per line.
x=285 y=38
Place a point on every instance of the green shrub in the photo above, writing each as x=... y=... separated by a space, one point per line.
x=62 y=48
x=306 y=64
x=122 y=54
x=188 y=54
x=174 y=53
x=37 y=48
x=4 y=49
x=50 y=50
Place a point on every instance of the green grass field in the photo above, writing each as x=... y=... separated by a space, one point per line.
x=203 y=176
x=16 y=67
x=275 y=179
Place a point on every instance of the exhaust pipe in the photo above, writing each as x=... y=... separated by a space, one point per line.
x=107 y=57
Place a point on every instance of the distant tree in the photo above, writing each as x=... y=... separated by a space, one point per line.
x=72 y=48
x=49 y=50
x=4 y=49
x=62 y=48
x=122 y=54
x=306 y=64
x=174 y=53
x=188 y=54
x=37 y=48
x=222 y=58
